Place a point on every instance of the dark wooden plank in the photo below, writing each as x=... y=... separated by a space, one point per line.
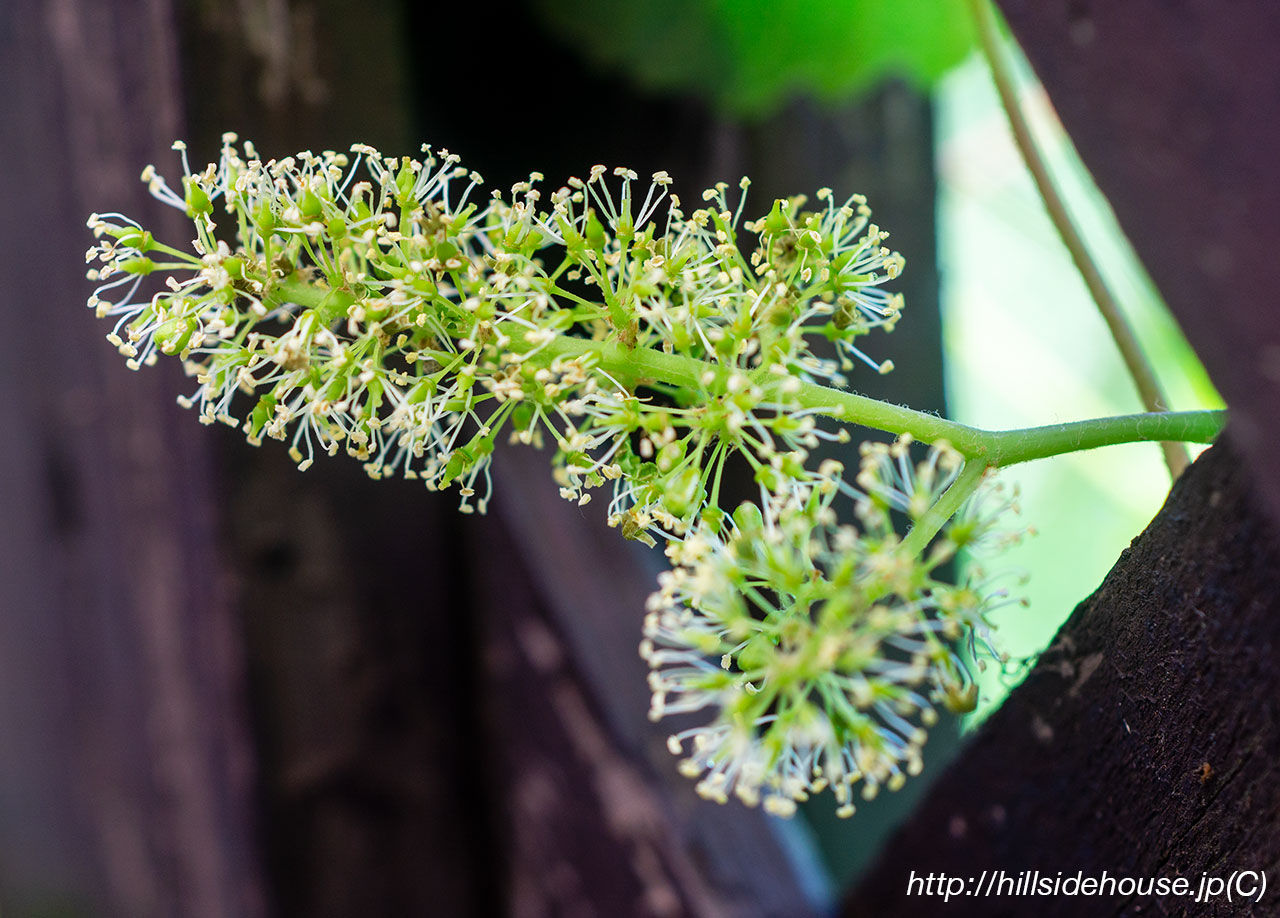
x=593 y=586
x=358 y=623
x=128 y=773
x=588 y=827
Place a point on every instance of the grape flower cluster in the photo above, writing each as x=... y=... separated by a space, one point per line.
x=389 y=308
x=825 y=649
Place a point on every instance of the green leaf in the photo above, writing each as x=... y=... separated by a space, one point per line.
x=747 y=57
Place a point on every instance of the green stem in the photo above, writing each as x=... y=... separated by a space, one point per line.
x=998 y=448
x=330 y=302
x=1009 y=447
x=946 y=506
x=994 y=448
x=1139 y=367
x=294 y=289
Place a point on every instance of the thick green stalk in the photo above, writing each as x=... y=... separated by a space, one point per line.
x=295 y=289
x=1009 y=447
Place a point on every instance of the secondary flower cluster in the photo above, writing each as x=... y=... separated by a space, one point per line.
x=386 y=307
x=822 y=650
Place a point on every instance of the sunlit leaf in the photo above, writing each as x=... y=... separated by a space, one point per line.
x=748 y=56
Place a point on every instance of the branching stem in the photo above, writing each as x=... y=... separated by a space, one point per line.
x=936 y=517
x=993 y=448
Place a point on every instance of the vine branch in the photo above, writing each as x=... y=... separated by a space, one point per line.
x=1144 y=378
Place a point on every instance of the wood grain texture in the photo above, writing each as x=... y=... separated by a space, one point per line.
x=127 y=768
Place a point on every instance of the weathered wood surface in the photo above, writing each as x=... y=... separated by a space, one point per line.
x=125 y=766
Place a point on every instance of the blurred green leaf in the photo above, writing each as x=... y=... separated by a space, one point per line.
x=746 y=57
